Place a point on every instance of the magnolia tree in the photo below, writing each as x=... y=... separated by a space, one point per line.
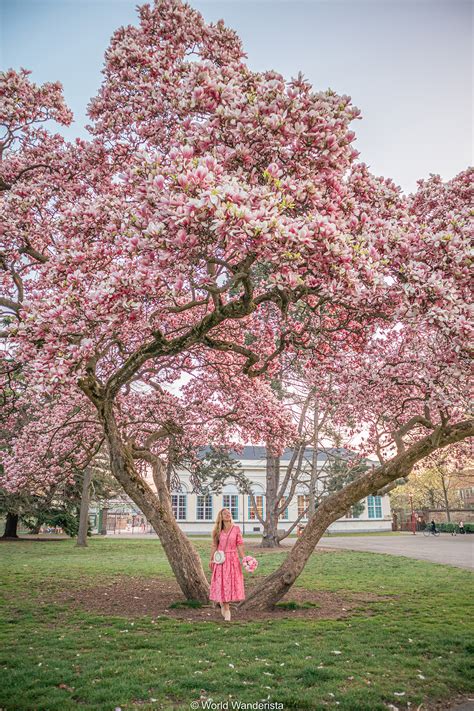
x=204 y=242
x=36 y=168
x=218 y=220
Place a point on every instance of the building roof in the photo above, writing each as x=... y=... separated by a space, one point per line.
x=259 y=453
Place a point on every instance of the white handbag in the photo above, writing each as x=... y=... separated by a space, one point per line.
x=219 y=556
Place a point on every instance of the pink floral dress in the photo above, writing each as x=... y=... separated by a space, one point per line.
x=227 y=580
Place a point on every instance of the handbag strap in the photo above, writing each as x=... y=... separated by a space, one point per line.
x=228 y=536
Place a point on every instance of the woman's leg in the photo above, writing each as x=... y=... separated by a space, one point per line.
x=226 y=611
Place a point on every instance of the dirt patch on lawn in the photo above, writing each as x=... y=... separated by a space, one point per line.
x=33 y=539
x=456 y=701
x=136 y=597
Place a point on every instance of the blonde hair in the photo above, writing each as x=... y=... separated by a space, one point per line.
x=219 y=525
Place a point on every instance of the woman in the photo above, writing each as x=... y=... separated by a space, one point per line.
x=227 y=580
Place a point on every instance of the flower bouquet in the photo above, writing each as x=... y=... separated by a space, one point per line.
x=249 y=563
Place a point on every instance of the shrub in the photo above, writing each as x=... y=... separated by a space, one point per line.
x=454 y=527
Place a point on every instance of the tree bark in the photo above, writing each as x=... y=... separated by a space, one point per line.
x=84 y=511
x=182 y=556
x=11 y=526
x=277 y=584
x=270 y=527
x=446 y=499
x=314 y=461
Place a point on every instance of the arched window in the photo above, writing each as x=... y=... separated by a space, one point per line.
x=230 y=500
x=260 y=502
x=179 y=502
x=204 y=507
x=302 y=499
x=283 y=516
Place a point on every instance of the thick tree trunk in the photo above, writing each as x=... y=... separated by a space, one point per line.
x=182 y=556
x=84 y=511
x=11 y=526
x=277 y=584
x=270 y=526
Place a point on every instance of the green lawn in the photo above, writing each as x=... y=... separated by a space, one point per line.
x=410 y=650
x=258 y=536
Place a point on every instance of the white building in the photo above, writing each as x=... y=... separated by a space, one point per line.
x=196 y=513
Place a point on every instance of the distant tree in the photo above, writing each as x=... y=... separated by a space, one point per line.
x=436 y=482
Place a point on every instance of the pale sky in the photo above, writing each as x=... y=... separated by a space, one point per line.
x=407 y=64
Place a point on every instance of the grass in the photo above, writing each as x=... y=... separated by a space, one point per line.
x=56 y=658
x=186 y=604
x=344 y=534
x=257 y=536
x=292 y=605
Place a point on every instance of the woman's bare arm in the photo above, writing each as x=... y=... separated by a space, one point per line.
x=213 y=550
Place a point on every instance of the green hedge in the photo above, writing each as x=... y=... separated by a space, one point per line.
x=454 y=527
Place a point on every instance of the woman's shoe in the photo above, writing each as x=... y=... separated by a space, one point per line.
x=227 y=615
